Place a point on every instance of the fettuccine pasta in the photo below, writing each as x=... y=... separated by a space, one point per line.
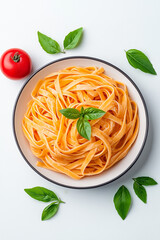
x=54 y=139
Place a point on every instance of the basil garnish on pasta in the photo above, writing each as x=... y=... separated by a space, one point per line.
x=83 y=126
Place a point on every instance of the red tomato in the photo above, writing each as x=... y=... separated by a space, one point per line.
x=15 y=63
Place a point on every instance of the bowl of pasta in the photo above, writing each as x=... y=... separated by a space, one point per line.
x=84 y=150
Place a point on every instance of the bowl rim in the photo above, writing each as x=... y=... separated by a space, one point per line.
x=107 y=63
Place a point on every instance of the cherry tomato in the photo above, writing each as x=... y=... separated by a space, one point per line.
x=15 y=63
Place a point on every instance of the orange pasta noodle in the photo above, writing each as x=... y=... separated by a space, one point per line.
x=54 y=139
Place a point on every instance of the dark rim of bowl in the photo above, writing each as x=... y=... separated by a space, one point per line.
x=146 y=113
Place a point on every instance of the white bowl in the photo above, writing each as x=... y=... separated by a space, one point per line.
x=107 y=176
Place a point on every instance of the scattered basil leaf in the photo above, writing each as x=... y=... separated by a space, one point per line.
x=140 y=191
x=93 y=113
x=41 y=194
x=48 y=44
x=49 y=211
x=84 y=128
x=122 y=201
x=73 y=38
x=146 y=181
x=138 y=59
x=70 y=113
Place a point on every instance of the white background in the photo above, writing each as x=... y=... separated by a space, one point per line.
x=110 y=27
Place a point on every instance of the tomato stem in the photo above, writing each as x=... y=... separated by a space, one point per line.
x=16 y=57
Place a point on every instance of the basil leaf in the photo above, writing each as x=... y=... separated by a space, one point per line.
x=72 y=39
x=41 y=194
x=48 y=44
x=93 y=113
x=70 y=113
x=49 y=211
x=146 y=181
x=140 y=191
x=138 y=59
x=122 y=201
x=82 y=110
x=84 y=128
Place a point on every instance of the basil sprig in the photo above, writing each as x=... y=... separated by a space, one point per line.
x=138 y=59
x=83 y=125
x=139 y=190
x=45 y=195
x=122 y=201
x=52 y=47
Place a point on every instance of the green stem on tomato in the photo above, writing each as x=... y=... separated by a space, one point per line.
x=16 y=57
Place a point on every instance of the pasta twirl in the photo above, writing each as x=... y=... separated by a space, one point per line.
x=54 y=139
